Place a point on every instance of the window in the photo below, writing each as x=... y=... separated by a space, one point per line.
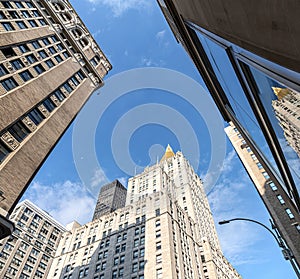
x=31 y=58
x=3 y=71
x=25 y=14
x=114 y=274
x=81 y=76
x=7 y=5
x=39 y=69
x=26 y=75
x=42 y=22
x=259 y=165
x=272 y=185
x=32 y=23
x=123 y=247
x=43 y=54
x=142 y=240
x=8 y=52
x=18 y=131
x=159 y=273
x=266 y=175
x=290 y=214
x=103 y=266
x=36 y=44
x=29 y=5
x=135 y=267
x=60 y=96
x=158 y=258
x=17 y=64
x=21 y=24
x=60 y=47
x=135 y=254
x=24 y=48
x=7 y=26
x=157 y=212
x=49 y=63
x=52 y=50
x=142 y=252
x=74 y=80
x=141 y=265
x=157 y=223
x=4 y=151
x=158 y=245
x=58 y=58
x=36 y=116
x=136 y=242
x=68 y=87
x=280 y=198
x=116 y=261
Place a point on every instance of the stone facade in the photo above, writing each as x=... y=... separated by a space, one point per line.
x=165 y=231
x=275 y=198
x=111 y=197
x=287 y=111
x=49 y=66
x=29 y=252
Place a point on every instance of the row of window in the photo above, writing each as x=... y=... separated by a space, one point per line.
x=19 y=25
x=10 y=83
x=17 y=4
x=20 y=131
x=19 y=14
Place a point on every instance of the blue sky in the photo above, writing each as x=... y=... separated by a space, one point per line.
x=134 y=35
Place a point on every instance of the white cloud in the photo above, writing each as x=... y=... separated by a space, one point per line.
x=98 y=179
x=227 y=200
x=118 y=7
x=160 y=35
x=66 y=201
x=149 y=62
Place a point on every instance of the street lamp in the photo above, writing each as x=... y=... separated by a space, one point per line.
x=287 y=253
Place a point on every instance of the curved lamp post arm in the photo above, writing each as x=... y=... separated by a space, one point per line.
x=286 y=251
x=279 y=242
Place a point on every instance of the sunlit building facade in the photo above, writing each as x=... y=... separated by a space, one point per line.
x=278 y=204
x=166 y=230
x=49 y=66
x=240 y=50
x=29 y=251
x=287 y=111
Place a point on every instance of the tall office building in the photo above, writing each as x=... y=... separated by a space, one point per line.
x=49 y=66
x=237 y=48
x=279 y=206
x=29 y=251
x=287 y=111
x=166 y=230
x=111 y=197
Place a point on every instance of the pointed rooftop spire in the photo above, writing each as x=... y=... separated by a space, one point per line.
x=168 y=154
x=280 y=92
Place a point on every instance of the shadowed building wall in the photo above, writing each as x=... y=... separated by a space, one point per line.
x=49 y=66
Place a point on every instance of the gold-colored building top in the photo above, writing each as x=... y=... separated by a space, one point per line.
x=168 y=154
x=281 y=92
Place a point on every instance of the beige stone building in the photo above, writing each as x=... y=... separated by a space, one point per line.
x=287 y=111
x=282 y=210
x=49 y=66
x=29 y=251
x=166 y=230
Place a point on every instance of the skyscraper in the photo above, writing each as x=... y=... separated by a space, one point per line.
x=29 y=251
x=111 y=197
x=49 y=66
x=237 y=48
x=287 y=111
x=279 y=206
x=166 y=230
